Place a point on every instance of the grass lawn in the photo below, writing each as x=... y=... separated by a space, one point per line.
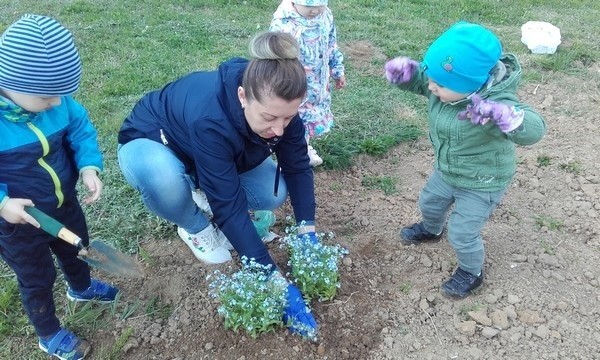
x=131 y=47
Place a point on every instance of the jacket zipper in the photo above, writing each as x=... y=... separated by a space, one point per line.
x=45 y=151
x=163 y=138
x=277 y=173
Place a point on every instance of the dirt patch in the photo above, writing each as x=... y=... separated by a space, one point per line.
x=540 y=299
x=364 y=56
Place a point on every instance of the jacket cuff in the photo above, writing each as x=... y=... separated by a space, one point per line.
x=90 y=167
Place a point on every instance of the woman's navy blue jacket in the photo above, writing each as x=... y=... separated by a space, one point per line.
x=201 y=119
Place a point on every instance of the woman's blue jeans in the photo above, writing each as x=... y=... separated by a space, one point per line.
x=155 y=171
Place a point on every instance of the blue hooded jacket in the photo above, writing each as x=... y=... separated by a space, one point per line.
x=42 y=156
x=199 y=117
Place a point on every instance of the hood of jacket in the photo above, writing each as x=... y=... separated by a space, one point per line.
x=286 y=11
x=505 y=77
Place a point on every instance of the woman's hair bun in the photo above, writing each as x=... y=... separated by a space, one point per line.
x=269 y=45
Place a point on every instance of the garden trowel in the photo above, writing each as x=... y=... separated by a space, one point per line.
x=97 y=254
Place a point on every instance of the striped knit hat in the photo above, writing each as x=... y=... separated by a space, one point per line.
x=38 y=57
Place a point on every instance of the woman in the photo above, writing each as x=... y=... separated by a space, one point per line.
x=216 y=131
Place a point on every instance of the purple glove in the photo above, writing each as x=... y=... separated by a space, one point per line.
x=508 y=118
x=400 y=70
x=296 y=315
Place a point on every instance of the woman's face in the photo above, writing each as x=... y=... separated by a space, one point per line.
x=269 y=118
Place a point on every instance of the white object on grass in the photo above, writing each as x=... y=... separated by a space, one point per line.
x=540 y=37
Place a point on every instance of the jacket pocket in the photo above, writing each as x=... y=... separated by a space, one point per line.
x=479 y=168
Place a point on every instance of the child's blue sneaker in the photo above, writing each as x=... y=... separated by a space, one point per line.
x=98 y=291
x=461 y=284
x=416 y=235
x=65 y=345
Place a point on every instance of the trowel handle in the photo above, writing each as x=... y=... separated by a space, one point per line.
x=53 y=227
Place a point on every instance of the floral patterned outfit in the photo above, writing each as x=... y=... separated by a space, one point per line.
x=322 y=59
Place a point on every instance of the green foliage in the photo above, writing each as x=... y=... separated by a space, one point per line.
x=156 y=309
x=251 y=299
x=377 y=131
x=568 y=59
x=115 y=352
x=548 y=222
x=12 y=320
x=335 y=186
x=314 y=267
x=405 y=288
x=380 y=144
x=573 y=167
x=123 y=310
x=543 y=160
x=464 y=310
x=385 y=183
x=548 y=249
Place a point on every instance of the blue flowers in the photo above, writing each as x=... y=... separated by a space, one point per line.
x=314 y=265
x=251 y=299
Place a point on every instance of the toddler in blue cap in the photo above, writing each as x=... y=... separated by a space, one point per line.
x=475 y=120
x=48 y=144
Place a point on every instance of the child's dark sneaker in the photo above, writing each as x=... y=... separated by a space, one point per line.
x=65 y=345
x=416 y=234
x=461 y=284
x=98 y=291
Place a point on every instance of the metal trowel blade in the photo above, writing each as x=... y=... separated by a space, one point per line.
x=108 y=259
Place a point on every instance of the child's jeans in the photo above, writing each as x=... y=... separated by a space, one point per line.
x=155 y=171
x=472 y=208
x=26 y=250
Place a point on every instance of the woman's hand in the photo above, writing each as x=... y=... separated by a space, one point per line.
x=297 y=315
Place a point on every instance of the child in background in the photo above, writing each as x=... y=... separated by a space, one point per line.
x=475 y=120
x=311 y=23
x=46 y=143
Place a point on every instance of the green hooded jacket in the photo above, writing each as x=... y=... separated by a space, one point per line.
x=478 y=157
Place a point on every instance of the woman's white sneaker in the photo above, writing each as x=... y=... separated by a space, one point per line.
x=224 y=240
x=207 y=245
x=315 y=159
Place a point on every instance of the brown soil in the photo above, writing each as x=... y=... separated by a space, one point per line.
x=541 y=295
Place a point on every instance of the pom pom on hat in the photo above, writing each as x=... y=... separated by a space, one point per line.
x=38 y=57
x=311 y=2
x=462 y=58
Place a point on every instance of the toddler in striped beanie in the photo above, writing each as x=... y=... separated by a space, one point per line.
x=48 y=144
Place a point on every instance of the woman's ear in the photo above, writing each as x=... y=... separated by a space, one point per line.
x=242 y=96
